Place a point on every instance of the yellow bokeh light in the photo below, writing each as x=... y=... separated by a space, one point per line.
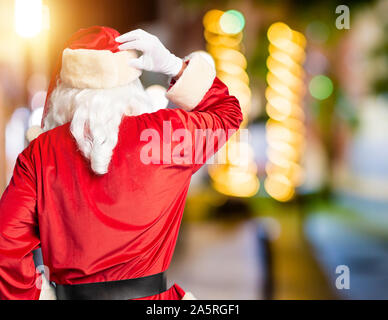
x=293 y=50
x=233 y=70
x=234 y=181
x=279 y=59
x=291 y=170
x=285 y=130
x=239 y=153
x=294 y=125
x=279 y=132
x=280 y=109
x=279 y=187
x=235 y=84
x=281 y=88
x=299 y=38
x=229 y=55
x=284 y=149
x=278 y=114
x=272 y=93
x=224 y=33
x=241 y=80
x=285 y=77
x=279 y=31
x=217 y=39
x=211 y=20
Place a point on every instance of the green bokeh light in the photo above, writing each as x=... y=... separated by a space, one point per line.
x=232 y=22
x=321 y=87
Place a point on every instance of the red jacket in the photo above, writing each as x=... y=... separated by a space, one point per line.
x=93 y=228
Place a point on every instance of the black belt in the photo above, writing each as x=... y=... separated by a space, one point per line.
x=113 y=290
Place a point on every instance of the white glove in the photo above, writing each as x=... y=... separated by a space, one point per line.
x=155 y=56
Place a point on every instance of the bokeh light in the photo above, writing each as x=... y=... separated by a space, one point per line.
x=232 y=22
x=279 y=187
x=321 y=87
x=28 y=17
x=285 y=129
x=317 y=32
x=237 y=175
x=279 y=32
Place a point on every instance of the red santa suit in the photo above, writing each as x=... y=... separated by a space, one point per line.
x=120 y=225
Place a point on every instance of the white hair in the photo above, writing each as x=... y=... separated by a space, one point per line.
x=95 y=116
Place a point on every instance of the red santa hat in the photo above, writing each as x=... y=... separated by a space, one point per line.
x=91 y=59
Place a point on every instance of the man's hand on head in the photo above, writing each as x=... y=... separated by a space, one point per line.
x=156 y=57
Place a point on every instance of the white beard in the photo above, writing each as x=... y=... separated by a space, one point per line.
x=95 y=116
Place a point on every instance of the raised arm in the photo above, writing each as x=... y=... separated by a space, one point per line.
x=206 y=115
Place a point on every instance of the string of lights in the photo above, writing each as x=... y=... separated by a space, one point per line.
x=285 y=129
x=223 y=32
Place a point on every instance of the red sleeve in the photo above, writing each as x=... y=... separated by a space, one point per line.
x=218 y=116
x=19 y=233
x=204 y=129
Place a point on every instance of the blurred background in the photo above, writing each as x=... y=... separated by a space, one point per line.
x=300 y=208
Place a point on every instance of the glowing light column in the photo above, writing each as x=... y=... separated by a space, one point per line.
x=285 y=129
x=224 y=33
x=28 y=17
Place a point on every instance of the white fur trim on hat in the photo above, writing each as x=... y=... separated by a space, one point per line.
x=97 y=69
x=193 y=84
x=33 y=132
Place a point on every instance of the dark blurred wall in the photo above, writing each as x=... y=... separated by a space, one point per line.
x=67 y=16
